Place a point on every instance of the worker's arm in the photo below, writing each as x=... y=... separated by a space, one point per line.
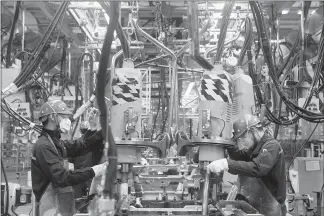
x=82 y=146
x=53 y=168
x=236 y=154
x=260 y=165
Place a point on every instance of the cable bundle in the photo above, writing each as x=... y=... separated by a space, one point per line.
x=101 y=83
x=299 y=111
x=38 y=53
x=13 y=114
x=223 y=31
x=247 y=41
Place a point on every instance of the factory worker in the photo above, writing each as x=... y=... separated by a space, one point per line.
x=88 y=128
x=257 y=155
x=52 y=180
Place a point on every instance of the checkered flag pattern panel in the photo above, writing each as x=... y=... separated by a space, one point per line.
x=216 y=87
x=125 y=90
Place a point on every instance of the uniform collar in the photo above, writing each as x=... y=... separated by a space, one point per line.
x=265 y=138
x=55 y=135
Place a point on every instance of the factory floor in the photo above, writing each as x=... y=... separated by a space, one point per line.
x=26 y=209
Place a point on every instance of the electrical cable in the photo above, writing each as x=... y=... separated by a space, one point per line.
x=12 y=32
x=78 y=74
x=38 y=52
x=101 y=82
x=301 y=112
x=120 y=32
x=7 y=190
x=223 y=29
x=248 y=38
x=157 y=112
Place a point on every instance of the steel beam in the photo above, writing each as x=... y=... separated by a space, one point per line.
x=88 y=28
x=66 y=30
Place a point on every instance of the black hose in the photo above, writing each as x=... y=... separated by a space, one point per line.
x=32 y=63
x=105 y=61
x=120 y=33
x=77 y=75
x=7 y=190
x=63 y=61
x=248 y=38
x=299 y=111
x=12 y=32
x=224 y=24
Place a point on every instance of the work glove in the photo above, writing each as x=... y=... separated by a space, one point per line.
x=144 y=162
x=138 y=203
x=93 y=118
x=218 y=166
x=99 y=169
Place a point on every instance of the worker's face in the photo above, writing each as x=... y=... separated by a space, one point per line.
x=246 y=141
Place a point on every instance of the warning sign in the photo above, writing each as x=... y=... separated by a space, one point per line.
x=216 y=87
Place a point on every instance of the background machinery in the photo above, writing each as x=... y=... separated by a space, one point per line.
x=169 y=80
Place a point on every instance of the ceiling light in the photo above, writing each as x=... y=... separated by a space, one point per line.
x=299 y=12
x=285 y=11
x=313 y=12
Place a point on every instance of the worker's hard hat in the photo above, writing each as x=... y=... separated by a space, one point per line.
x=244 y=123
x=54 y=106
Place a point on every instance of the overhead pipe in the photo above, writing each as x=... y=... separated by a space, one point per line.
x=194 y=35
x=187 y=45
x=173 y=100
x=120 y=33
x=208 y=51
x=92 y=98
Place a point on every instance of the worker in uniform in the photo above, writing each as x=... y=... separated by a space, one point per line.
x=257 y=155
x=52 y=180
x=92 y=158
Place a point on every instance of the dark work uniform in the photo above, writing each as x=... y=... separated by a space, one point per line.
x=89 y=159
x=46 y=163
x=265 y=161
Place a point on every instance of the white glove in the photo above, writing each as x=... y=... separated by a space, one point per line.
x=218 y=166
x=99 y=169
x=144 y=162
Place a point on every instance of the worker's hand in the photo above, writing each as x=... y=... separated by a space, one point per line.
x=144 y=162
x=99 y=169
x=93 y=118
x=218 y=166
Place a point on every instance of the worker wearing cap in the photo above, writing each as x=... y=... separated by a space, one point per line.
x=52 y=180
x=258 y=155
x=88 y=128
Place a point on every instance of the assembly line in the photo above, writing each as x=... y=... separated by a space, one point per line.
x=162 y=108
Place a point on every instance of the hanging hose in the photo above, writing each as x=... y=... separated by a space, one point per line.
x=29 y=68
x=248 y=38
x=120 y=33
x=78 y=74
x=12 y=32
x=299 y=111
x=7 y=190
x=101 y=83
x=224 y=24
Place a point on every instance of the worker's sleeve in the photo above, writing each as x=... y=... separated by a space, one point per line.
x=260 y=165
x=236 y=154
x=53 y=168
x=78 y=147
